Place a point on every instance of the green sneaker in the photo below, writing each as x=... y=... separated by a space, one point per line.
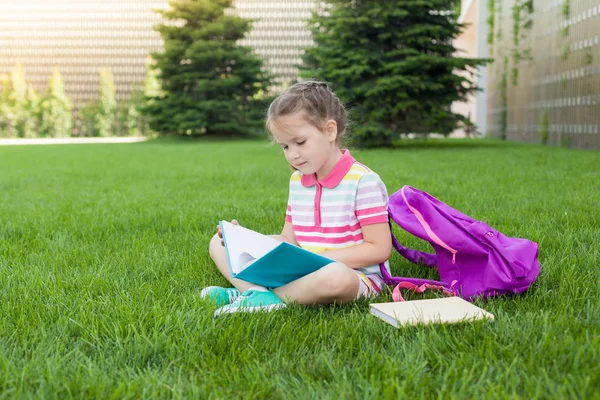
x=252 y=301
x=219 y=295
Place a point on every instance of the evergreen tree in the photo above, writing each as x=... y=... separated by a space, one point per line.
x=24 y=117
x=151 y=83
x=32 y=101
x=56 y=118
x=18 y=105
x=208 y=81
x=393 y=63
x=7 y=128
x=106 y=117
x=133 y=122
x=87 y=116
x=152 y=90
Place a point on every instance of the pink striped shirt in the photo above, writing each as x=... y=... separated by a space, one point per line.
x=329 y=214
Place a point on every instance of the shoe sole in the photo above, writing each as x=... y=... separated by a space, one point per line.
x=267 y=308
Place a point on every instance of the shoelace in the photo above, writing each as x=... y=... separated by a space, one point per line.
x=233 y=295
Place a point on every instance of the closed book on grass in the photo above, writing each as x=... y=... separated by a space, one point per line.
x=445 y=310
x=260 y=259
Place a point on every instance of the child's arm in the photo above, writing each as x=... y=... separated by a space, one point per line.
x=287 y=234
x=376 y=248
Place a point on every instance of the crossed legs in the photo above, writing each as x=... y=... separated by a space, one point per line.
x=334 y=283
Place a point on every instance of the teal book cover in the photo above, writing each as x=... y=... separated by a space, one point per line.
x=263 y=260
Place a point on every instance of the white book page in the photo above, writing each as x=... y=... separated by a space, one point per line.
x=245 y=245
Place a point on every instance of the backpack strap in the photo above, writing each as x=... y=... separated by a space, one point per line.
x=412 y=255
x=417 y=285
x=425 y=225
x=415 y=256
x=394 y=280
x=448 y=290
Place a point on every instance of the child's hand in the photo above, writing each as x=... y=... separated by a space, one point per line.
x=233 y=221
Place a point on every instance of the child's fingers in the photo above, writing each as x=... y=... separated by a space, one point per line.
x=220 y=234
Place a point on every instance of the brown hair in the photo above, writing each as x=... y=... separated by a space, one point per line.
x=313 y=98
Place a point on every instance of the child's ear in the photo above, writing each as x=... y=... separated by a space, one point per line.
x=331 y=130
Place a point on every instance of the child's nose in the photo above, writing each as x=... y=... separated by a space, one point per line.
x=293 y=154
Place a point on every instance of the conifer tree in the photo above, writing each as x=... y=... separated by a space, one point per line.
x=151 y=91
x=87 y=115
x=134 y=122
x=393 y=63
x=55 y=116
x=208 y=81
x=151 y=82
x=7 y=128
x=107 y=105
x=18 y=105
x=32 y=101
x=24 y=117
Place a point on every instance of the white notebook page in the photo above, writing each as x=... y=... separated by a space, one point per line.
x=243 y=242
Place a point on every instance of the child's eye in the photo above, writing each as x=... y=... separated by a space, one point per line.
x=285 y=147
x=301 y=143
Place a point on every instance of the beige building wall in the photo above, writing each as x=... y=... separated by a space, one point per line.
x=466 y=45
x=83 y=37
x=279 y=34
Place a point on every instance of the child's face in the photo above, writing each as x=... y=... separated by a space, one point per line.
x=307 y=148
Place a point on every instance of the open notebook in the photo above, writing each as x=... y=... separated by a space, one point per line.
x=444 y=310
x=260 y=259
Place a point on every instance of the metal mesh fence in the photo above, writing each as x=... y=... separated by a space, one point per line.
x=544 y=83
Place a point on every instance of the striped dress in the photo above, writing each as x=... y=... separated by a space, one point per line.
x=329 y=214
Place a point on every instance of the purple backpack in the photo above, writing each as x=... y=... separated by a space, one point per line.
x=472 y=258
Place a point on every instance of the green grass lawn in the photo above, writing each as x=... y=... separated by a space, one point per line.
x=103 y=252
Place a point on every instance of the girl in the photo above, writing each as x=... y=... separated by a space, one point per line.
x=336 y=207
